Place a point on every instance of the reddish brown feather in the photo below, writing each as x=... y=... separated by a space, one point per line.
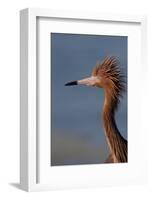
x=109 y=71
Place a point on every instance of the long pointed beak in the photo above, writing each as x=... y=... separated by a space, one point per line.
x=90 y=81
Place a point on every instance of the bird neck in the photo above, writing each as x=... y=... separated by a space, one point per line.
x=112 y=133
x=110 y=105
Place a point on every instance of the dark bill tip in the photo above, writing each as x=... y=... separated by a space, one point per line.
x=71 y=83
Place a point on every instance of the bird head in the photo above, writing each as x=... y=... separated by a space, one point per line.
x=106 y=74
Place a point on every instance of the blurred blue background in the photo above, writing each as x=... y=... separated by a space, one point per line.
x=77 y=135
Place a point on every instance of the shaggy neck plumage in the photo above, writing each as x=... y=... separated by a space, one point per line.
x=114 y=138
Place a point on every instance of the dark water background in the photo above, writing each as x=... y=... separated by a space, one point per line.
x=77 y=135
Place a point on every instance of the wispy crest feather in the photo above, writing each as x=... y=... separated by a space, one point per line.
x=110 y=71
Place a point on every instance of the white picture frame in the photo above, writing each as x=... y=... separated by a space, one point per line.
x=34 y=172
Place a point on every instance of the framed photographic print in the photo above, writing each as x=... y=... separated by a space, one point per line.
x=81 y=99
